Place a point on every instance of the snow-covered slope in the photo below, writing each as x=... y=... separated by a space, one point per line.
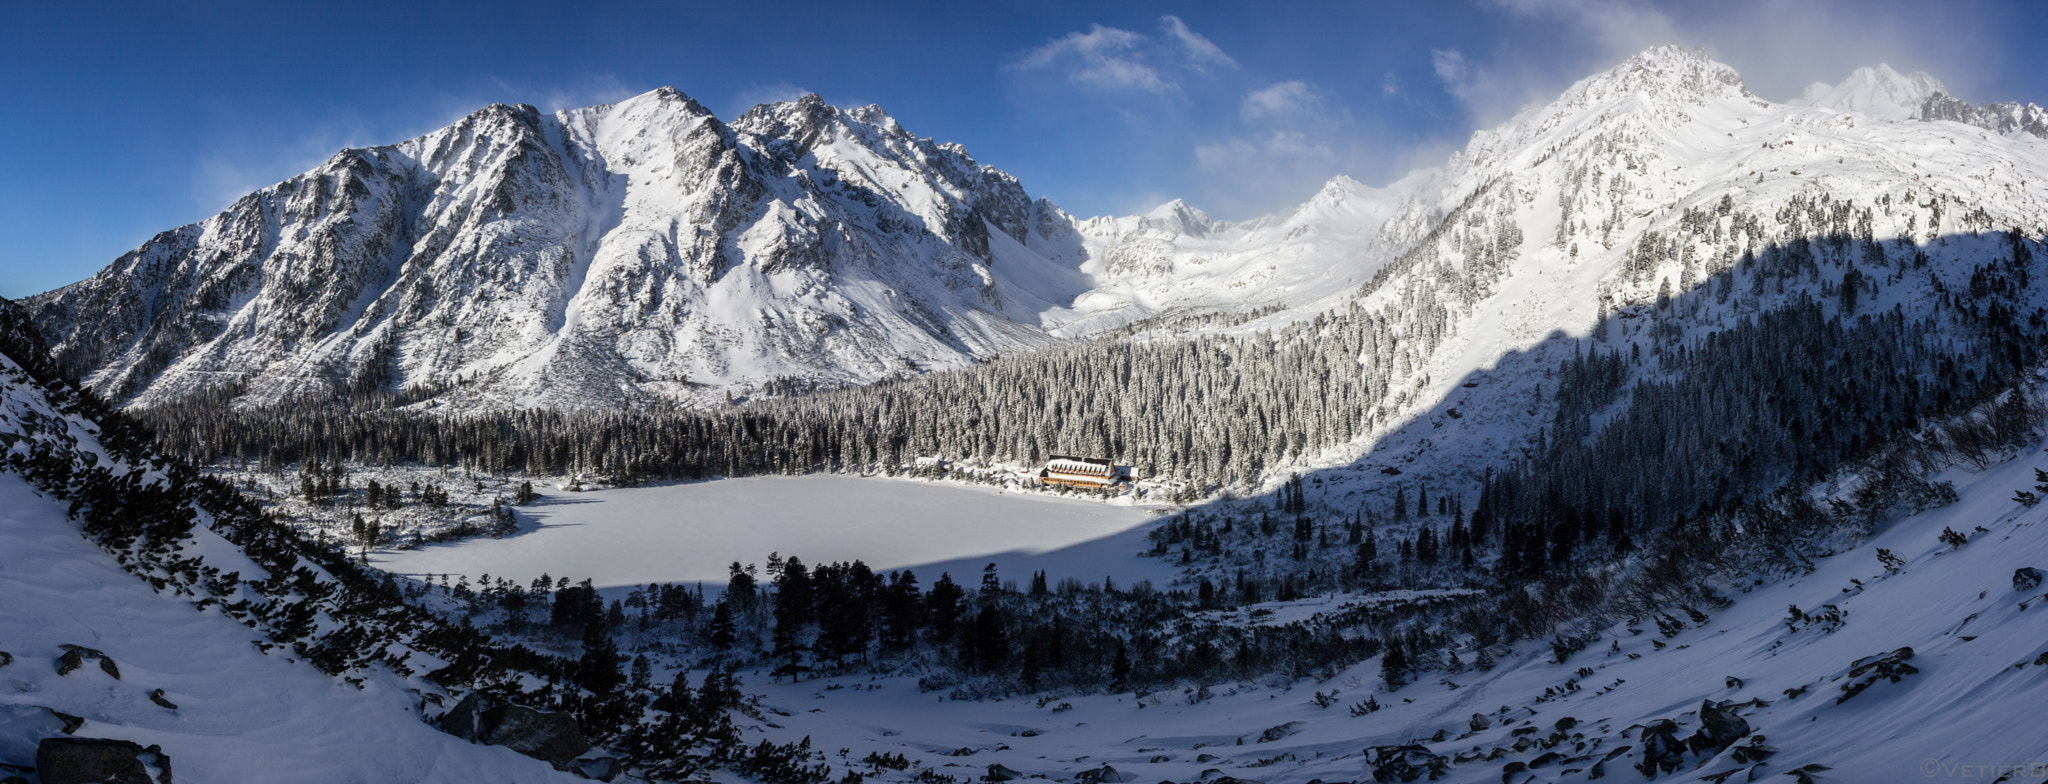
x=1641 y=186
x=1979 y=661
x=240 y=716
x=1176 y=258
x=591 y=258
x=159 y=672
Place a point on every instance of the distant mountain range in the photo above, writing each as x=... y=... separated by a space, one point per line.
x=646 y=251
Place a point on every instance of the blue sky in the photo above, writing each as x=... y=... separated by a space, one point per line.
x=124 y=119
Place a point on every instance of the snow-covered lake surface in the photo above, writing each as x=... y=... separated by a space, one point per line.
x=693 y=532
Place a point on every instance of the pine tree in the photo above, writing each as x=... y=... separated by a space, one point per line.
x=991 y=643
x=598 y=669
x=1394 y=665
x=721 y=633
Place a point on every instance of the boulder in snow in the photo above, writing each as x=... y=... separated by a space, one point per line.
x=1276 y=733
x=1663 y=752
x=75 y=657
x=100 y=761
x=1719 y=728
x=1101 y=775
x=1404 y=763
x=552 y=737
x=1000 y=773
x=1870 y=669
x=2027 y=578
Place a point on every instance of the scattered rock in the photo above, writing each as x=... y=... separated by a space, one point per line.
x=1276 y=733
x=99 y=761
x=2027 y=578
x=6 y=658
x=1479 y=722
x=71 y=660
x=71 y=723
x=552 y=737
x=598 y=768
x=1546 y=759
x=1000 y=773
x=1404 y=763
x=1205 y=758
x=158 y=698
x=1719 y=727
x=1870 y=669
x=1806 y=774
x=1663 y=752
x=1101 y=775
x=1756 y=751
x=75 y=656
x=1566 y=724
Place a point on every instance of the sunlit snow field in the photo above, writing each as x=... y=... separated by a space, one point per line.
x=692 y=532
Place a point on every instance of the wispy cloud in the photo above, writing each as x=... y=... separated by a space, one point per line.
x=1283 y=101
x=1451 y=70
x=1199 y=49
x=1114 y=59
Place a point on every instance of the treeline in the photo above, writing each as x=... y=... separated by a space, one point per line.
x=981 y=639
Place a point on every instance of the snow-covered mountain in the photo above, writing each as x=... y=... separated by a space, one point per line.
x=1884 y=94
x=1662 y=180
x=591 y=258
x=646 y=250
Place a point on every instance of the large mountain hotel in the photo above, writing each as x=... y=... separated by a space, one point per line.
x=1092 y=473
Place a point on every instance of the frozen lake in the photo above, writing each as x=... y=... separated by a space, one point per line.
x=692 y=532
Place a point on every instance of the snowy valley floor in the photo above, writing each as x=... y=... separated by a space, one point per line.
x=1970 y=712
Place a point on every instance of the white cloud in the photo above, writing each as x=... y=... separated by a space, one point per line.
x=1200 y=50
x=1112 y=59
x=1389 y=84
x=1102 y=58
x=1283 y=101
x=1451 y=69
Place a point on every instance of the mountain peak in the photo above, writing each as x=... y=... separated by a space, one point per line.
x=1181 y=217
x=1663 y=70
x=1881 y=93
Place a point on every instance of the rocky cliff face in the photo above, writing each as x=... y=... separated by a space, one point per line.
x=607 y=256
